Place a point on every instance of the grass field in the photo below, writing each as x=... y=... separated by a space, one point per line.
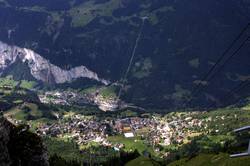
x=142 y=161
x=28 y=109
x=131 y=144
x=10 y=82
x=221 y=159
x=66 y=149
x=85 y=13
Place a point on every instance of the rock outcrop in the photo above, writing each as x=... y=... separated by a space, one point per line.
x=40 y=68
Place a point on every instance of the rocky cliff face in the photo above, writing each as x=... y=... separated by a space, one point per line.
x=19 y=147
x=40 y=68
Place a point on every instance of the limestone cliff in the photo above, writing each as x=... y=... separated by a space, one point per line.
x=40 y=68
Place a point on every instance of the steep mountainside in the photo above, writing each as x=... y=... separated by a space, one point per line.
x=180 y=41
x=20 y=147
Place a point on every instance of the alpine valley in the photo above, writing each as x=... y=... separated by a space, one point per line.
x=124 y=82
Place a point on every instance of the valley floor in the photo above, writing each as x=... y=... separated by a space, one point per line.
x=75 y=132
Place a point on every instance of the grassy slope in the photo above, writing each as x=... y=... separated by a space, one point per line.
x=221 y=159
x=22 y=114
x=66 y=149
x=142 y=161
x=85 y=13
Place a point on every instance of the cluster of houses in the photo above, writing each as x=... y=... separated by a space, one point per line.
x=171 y=129
x=175 y=129
x=68 y=98
x=130 y=126
x=158 y=130
x=83 y=130
x=55 y=97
